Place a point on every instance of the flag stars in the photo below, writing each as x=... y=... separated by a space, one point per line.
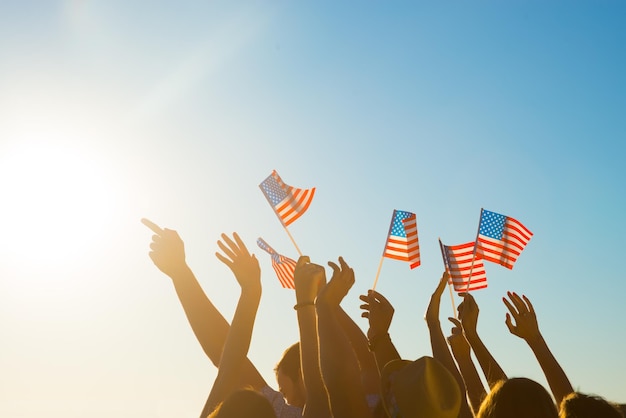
x=273 y=191
x=492 y=224
x=397 y=227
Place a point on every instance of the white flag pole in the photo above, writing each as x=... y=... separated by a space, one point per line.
x=445 y=265
x=469 y=279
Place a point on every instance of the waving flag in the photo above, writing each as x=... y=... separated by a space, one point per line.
x=288 y=202
x=283 y=266
x=501 y=239
x=402 y=243
x=458 y=262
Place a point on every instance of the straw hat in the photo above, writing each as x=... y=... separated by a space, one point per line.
x=423 y=388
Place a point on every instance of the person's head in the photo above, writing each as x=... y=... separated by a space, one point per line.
x=244 y=403
x=289 y=376
x=518 y=398
x=423 y=388
x=579 y=405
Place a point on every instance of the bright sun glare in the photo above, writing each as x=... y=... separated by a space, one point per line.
x=56 y=200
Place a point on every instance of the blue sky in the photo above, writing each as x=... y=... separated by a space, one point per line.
x=112 y=111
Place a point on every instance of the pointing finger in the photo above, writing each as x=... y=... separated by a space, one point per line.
x=154 y=227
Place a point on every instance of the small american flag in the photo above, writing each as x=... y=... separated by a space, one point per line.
x=458 y=262
x=501 y=239
x=283 y=266
x=402 y=243
x=288 y=202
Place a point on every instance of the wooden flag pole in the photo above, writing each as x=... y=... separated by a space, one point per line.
x=292 y=240
x=474 y=253
x=445 y=265
x=378 y=272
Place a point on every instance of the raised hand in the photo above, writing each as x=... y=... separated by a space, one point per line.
x=244 y=265
x=339 y=284
x=432 y=312
x=309 y=279
x=379 y=312
x=461 y=350
x=527 y=328
x=468 y=313
x=167 y=249
x=458 y=342
x=522 y=311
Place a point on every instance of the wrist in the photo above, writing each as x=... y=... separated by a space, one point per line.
x=179 y=272
x=470 y=334
x=304 y=304
x=535 y=341
x=254 y=290
x=374 y=341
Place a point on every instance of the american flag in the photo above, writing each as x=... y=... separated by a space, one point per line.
x=402 y=243
x=288 y=202
x=501 y=239
x=283 y=266
x=458 y=262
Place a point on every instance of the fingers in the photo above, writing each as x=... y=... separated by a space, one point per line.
x=344 y=265
x=455 y=321
x=240 y=245
x=225 y=260
x=154 y=227
x=510 y=307
x=378 y=297
x=225 y=249
x=303 y=260
x=518 y=302
x=530 y=305
x=442 y=283
x=335 y=267
x=509 y=324
x=468 y=297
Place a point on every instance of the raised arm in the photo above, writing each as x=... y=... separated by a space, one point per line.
x=439 y=344
x=461 y=351
x=379 y=313
x=370 y=377
x=207 y=323
x=527 y=328
x=468 y=313
x=309 y=280
x=340 y=367
x=246 y=269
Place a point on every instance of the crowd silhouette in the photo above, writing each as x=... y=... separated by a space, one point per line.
x=336 y=370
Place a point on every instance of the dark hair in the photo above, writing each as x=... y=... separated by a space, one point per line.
x=289 y=364
x=518 y=398
x=244 y=403
x=579 y=405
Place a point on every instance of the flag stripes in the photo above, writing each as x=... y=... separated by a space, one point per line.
x=458 y=262
x=288 y=202
x=501 y=239
x=283 y=266
x=402 y=242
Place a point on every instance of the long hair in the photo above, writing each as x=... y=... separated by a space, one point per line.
x=518 y=398
x=289 y=364
x=579 y=405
